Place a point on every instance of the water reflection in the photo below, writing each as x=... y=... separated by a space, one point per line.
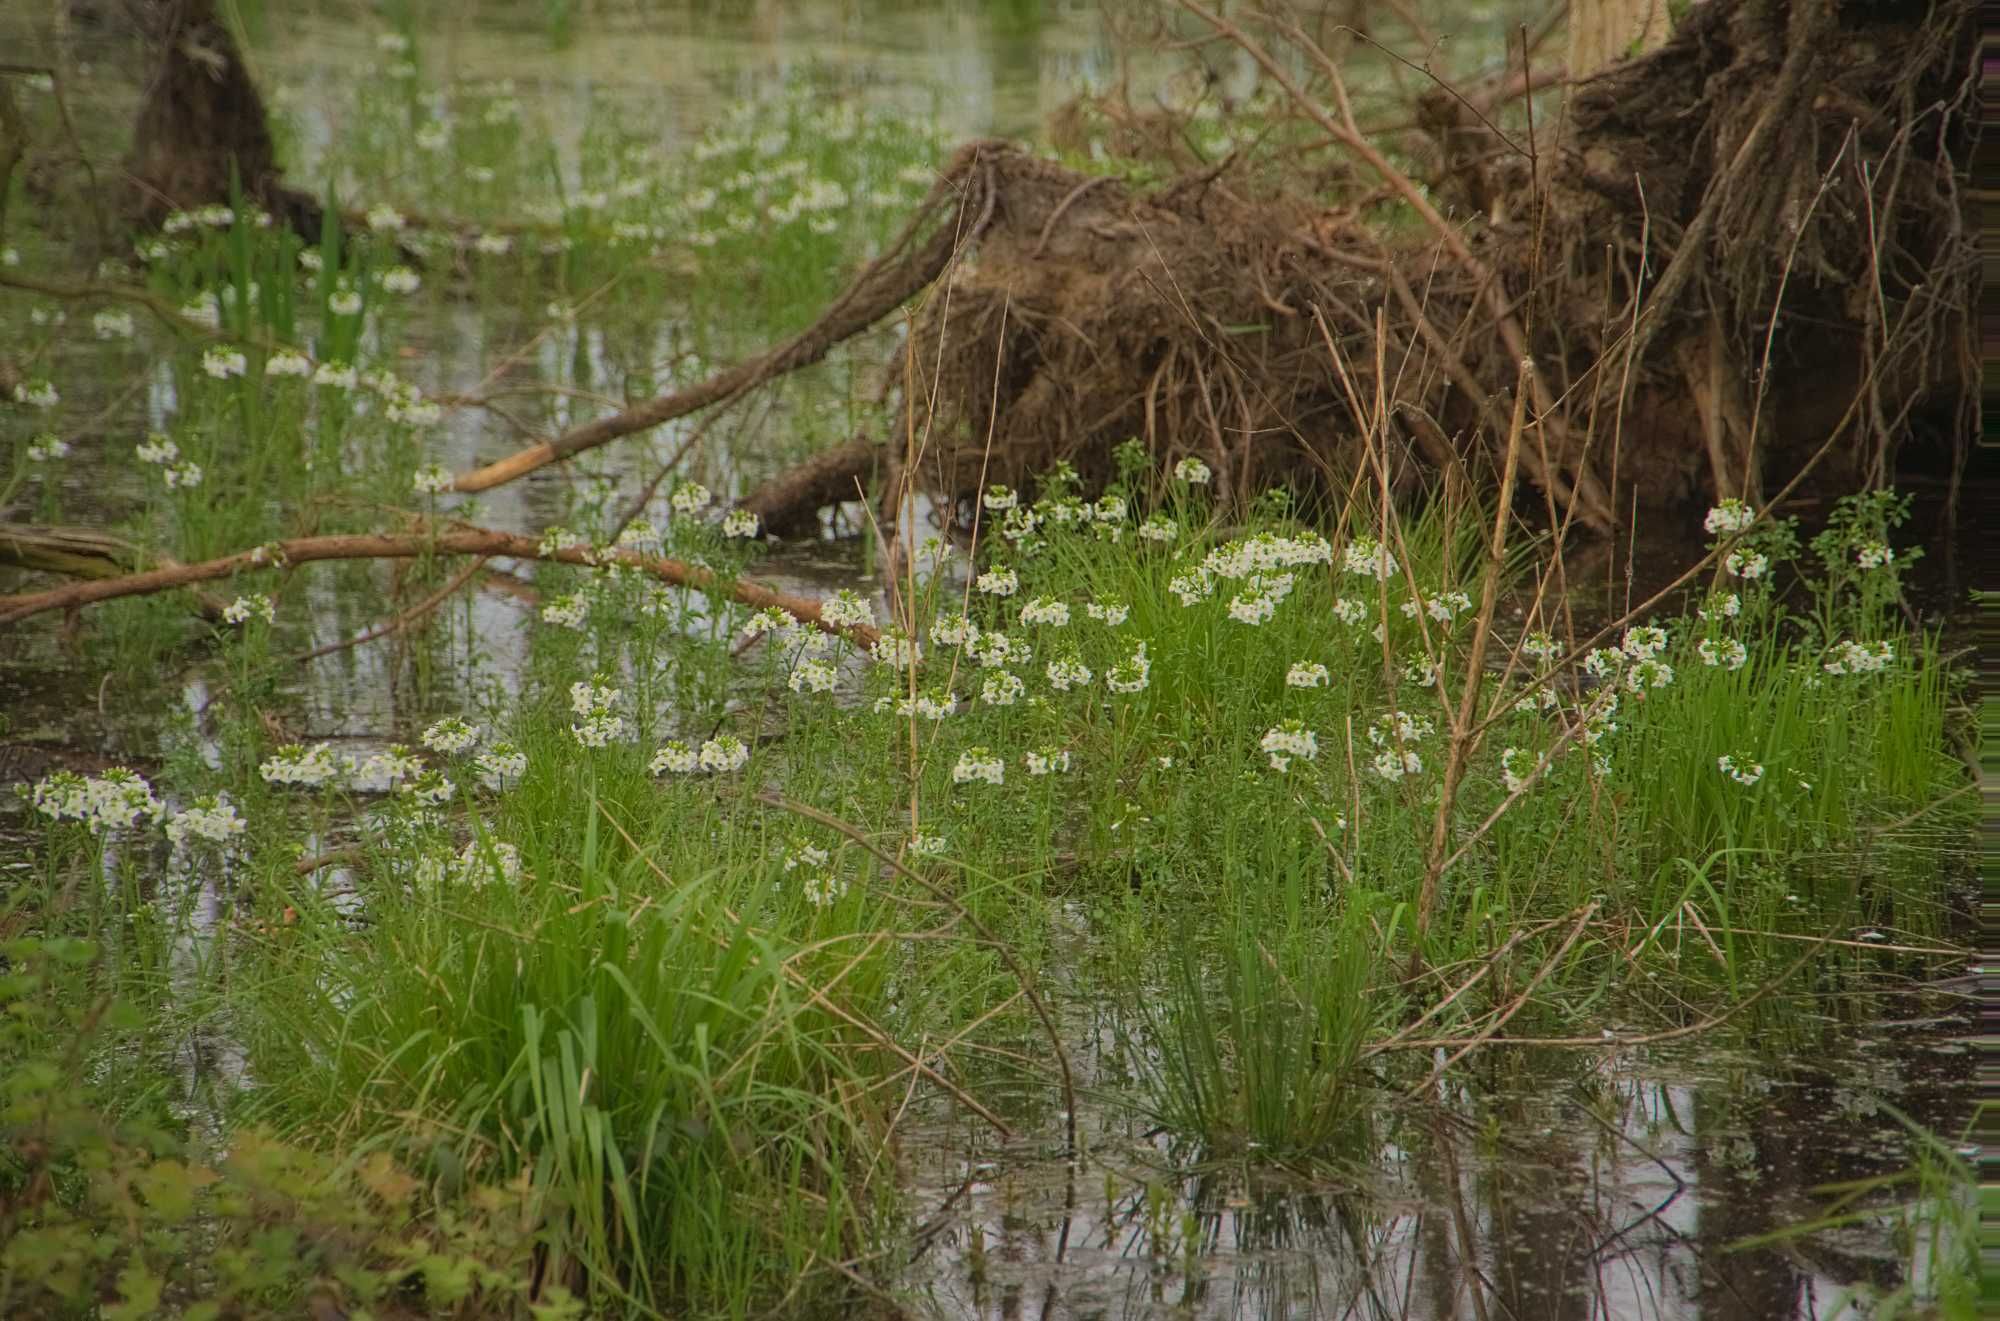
x=1622 y=1197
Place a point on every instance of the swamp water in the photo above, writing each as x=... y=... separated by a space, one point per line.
x=1631 y=1181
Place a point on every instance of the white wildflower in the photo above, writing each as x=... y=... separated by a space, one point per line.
x=1001 y=581
x=1002 y=688
x=245 y=608
x=813 y=675
x=978 y=763
x=739 y=523
x=1728 y=518
x=451 y=736
x=1046 y=761
x=213 y=819
x=1727 y=653
x=1742 y=771
x=691 y=498
x=723 y=753
x=1045 y=610
x=1747 y=565
x=294 y=763
x=568 y=611
x=1306 y=674
x=1192 y=471
x=675 y=756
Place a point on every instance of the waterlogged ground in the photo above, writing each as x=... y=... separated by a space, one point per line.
x=1565 y=1182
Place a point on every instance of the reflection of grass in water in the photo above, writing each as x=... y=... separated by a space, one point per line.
x=1930 y=1211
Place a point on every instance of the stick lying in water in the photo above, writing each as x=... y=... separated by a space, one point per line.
x=448 y=541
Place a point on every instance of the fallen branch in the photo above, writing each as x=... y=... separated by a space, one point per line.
x=81 y=552
x=451 y=541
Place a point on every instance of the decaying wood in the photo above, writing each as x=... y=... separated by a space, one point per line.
x=788 y=505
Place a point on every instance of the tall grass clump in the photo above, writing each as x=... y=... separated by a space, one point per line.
x=657 y=1069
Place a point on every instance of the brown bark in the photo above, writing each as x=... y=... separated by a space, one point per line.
x=202 y=121
x=788 y=504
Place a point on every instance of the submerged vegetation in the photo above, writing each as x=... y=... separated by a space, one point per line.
x=608 y=963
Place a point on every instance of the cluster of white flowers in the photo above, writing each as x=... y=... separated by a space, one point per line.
x=1728 y=653
x=384 y=219
x=719 y=755
x=821 y=889
x=116 y=800
x=927 y=846
x=336 y=375
x=383 y=771
x=37 y=394
x=1046 y=761
x=345 y=299
x=568 y=611
x=1192 y=471
x=1132 y=674
x=1743 y=771
x=1644 y=642
x=401 y=280
x=213 y=818
x=1002 y=688
x=245 y=608
x=998 y=499
x=1874 y=555
x=1851 y=657
x=294 y=763
x=846 y=609
x=1306 y=674
x=451 y=736
x=1288 y=740
x=953 y=628
x=502 y=762
x=1000 y=581
x=111 y=324
x=897 y=650
x=1728 y=518
x=46 y=447
x=1349 y=611
x=431 y=479
x=1540 y=645
x=813 y=674
x=1160 y=528
x=1045 y=610
x=1747 y=565
x=1261 y=595
x=430 y=789
x=493 y=245
x=1108 y=612
x=930 y=706
x=1444 y=607
x=1542 y=699
x=1365 y=557
x=1192 y=586
x=1067 y=672
x=804 y=853
x=1393 y=733
x=690 y=498
x=1720 y=605
x=1513 y=779
x=740 y=524
x=287 y=362
x=204 y=310
x=593 y=699
x=979 y=763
